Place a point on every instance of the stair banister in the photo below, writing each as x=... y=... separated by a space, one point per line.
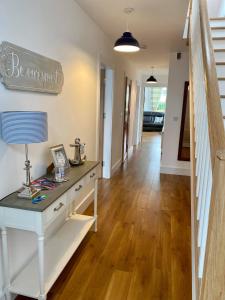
x=215 y=118
x=208 y=161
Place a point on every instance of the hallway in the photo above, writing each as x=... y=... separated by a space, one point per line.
x=142 y=248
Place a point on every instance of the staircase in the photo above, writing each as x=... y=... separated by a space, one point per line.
x=207 y=119
x=217 y=26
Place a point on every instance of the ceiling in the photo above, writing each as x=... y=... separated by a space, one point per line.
x=157 y=24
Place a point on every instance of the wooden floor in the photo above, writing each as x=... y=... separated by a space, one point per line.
x=142 y=248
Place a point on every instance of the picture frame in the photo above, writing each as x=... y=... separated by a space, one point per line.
x=57 y=152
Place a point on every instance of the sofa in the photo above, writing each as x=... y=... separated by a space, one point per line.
x=153 y=121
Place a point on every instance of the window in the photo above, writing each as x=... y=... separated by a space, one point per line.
x=155 y=99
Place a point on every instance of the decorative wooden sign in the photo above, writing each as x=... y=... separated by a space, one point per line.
x=22 y=69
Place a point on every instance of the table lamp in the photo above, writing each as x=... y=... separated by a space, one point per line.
x=25 y=127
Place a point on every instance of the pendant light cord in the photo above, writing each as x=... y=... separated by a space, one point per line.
x=128 y=11
x=127 y=24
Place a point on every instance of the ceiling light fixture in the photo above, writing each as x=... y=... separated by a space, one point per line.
x=152 y=79
x=127 y=43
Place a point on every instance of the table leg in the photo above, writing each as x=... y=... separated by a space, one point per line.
x=6 y=263
x=96 y=205
x=41 y=266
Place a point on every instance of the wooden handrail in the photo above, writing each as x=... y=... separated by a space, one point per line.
x=189 y=16
x=215 y=118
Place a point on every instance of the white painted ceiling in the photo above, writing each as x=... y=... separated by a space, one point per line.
x=158 y=24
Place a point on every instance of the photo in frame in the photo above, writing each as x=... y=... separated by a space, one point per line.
x=59 y=154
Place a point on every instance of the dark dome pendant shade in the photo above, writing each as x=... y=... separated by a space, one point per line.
x=127 y=43
x=151 y=79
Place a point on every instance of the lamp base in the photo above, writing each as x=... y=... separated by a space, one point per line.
x=28 y=192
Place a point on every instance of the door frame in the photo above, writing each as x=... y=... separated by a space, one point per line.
x=101 y=119
x=137 y=120
x=128 y=86
x=108 y=112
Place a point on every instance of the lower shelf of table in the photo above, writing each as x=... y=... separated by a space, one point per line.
x=58 y=251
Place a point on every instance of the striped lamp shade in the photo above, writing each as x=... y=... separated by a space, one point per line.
x=24 y=127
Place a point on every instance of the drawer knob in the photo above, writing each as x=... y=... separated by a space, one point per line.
x=79 y=187
x=60 y=206
x=92 y=175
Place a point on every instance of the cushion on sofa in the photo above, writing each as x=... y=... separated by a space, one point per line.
x=158 y=120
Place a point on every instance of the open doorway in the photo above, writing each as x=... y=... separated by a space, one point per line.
x=101 y=118
x=126 y=120
x=154 y=111
x=154 y=108
x=106 y=82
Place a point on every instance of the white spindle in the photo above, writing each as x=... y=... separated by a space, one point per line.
x=202 y=149
x=205 y=227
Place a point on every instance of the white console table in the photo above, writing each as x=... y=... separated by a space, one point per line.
x=58 y=226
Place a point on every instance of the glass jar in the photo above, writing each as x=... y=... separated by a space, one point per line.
x=59 y=173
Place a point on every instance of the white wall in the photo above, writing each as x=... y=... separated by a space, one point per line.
x=178 y=74
x=222 y=9
x=216 y=8
x=62 y=31
x=118 y=111
x=138 y=117
x=133 y=120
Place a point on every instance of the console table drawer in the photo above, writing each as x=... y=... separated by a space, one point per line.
x=75 y=191
x=55 y=209
x=92 y=175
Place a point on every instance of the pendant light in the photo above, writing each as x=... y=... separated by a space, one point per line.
x=152 y=79
x=127 y=43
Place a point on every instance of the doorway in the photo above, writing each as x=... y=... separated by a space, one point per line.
x=101 y=119
x=154 y=111
x=106 y=82
x=126 y=120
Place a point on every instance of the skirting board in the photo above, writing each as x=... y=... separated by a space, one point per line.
x=116 y=166
x=175 y=171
